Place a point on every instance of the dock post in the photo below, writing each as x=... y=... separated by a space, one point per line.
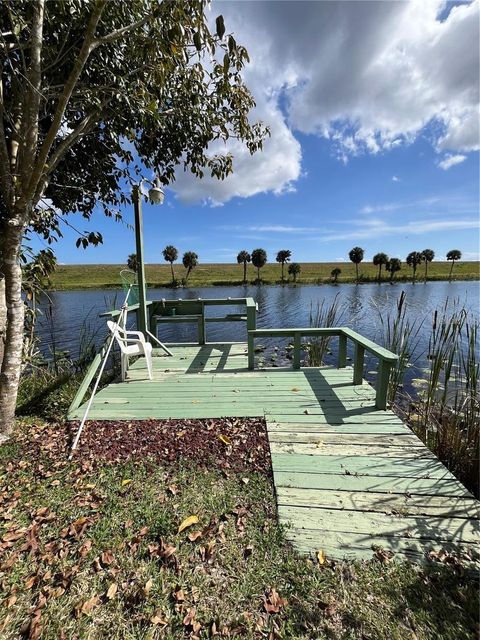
x=342 y=351
x=382 y=384
x=358 y=364
x=297 y=345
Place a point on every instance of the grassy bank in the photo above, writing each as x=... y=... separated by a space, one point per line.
x=107 y=275
x=96 y=549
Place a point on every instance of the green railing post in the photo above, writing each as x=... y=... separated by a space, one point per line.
x=382 y=384
x=251 y=352
x=251 y=326
x=297 y=346
x=358 y=364
x=342 y=351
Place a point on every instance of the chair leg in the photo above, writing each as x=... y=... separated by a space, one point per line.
x=148 y=358
x=124 y=366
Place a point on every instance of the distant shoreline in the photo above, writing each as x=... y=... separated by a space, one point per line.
x=106 y=276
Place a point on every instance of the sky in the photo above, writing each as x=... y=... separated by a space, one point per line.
x=374 y=115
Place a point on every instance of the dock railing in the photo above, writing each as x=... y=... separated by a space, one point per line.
x=385 y=357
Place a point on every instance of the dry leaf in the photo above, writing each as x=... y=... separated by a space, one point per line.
x=188 y=522
x=88 y=605
x=148 y=587
x=194 y=535
x=159 y=618
x=112 y=590
x=125 y=482
x=272 y=602
x=226 y=440
x=321 y=557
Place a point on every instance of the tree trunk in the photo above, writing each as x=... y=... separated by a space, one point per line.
x=282 y=271
x=258 y=274
x=451 y=269
x=12 y=354
x=3 y=316
x=244 y=272
x=173 y=273
x=426 y=270
x=356 y=269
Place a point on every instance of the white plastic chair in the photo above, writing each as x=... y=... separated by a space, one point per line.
x=131 y=346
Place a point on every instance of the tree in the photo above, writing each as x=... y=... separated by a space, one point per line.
x=244 y=258
x=356 y=256
x=453 y=255
x=259 y=260
x=92 y=95
x=334 y=273
x=392 y=266
x=293 y=270
x=413 y=259
x=190 y=261
x=170 y=254
x=132 y=262
x=283 y=256
x=427 y=256
x=379 y=260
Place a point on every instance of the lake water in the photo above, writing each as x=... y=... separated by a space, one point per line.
x=69 y=315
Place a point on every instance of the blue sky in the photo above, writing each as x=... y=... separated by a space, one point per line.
x=388 y=162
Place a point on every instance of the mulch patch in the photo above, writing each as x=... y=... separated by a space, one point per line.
x=236 y=444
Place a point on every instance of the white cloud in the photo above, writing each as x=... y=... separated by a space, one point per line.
x=451 y=160
x=395 y=179
x=375 y=228
x=367 y=76
x=271 y=228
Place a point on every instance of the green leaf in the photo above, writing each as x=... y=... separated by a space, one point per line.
x=220 y=26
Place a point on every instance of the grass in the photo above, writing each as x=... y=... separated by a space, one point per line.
x=93 y=550
x=107 y=275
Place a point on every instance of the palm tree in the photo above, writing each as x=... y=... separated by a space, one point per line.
x=190 y=261
x=170 y=254
x=293 y=270
x=259 y=260
x=413 y=259
x=380 y=259
x=335 y=273
x=283 y=256
x=453 y=255
x=356 y=256
x=244 y=257
x=427 y=256
x=132 y=262
x=392 y=266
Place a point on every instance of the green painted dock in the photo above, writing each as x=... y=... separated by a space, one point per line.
x=348 y=476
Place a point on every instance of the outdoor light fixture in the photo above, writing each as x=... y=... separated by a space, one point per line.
x=156 y=194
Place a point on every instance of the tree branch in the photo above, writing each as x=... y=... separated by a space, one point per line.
x=6 y=184
x=85 y=51
x=118 y=33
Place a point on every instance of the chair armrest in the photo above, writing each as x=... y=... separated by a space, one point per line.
x=139 y=334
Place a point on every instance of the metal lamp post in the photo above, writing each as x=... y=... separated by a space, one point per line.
x=156 y=196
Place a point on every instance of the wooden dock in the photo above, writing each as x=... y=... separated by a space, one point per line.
x=348 y=477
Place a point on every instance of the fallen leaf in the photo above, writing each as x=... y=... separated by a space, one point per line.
x=224 y=439
x=194 y=535
x=295 y=389
x=112 y=590
x=11 y=601
x=188 y=522
x=178 y=594
x=148 y=587
x=125 y=482
x=272 y=602
x=159 y=618
x=88 y=605
x=321 y=557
